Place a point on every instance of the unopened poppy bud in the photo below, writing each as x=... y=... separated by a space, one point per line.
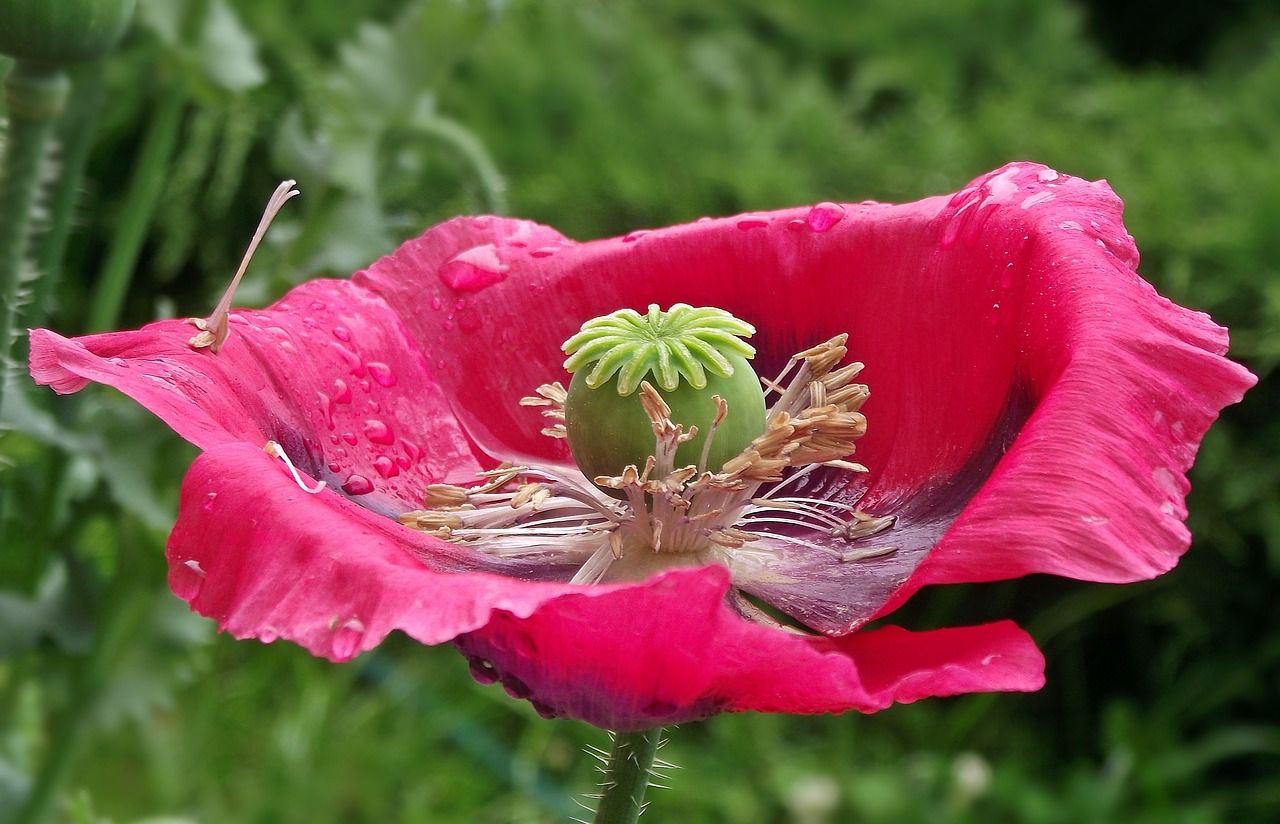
x=56 y=32
x=697 y=361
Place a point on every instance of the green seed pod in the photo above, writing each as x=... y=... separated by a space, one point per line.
x=56 y=32
x=690 y=355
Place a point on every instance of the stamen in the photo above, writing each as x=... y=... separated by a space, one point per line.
x=668 y=515
x=722 y=409
x=214 y=329
x=276 y=451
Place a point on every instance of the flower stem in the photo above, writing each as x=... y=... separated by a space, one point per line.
x=626 y=776
x=75 y=136
x=35 y=94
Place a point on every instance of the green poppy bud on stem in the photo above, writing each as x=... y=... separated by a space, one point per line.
x=691 y=356
x=57 y=32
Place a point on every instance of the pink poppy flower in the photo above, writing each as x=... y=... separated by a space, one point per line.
x=1034 y=407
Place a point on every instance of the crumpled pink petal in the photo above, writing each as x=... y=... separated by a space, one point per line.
x=337 y=578
x=1034 y=409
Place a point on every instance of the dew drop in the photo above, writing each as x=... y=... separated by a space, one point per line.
x=318 y=305
x=342 y=333
x=474 y=269
x=1047 y=176
x=346 y=638
x=341 y=392
x=543 y=252
x=326 y=410
x=378 y=432
x=208 y=501
x=351 y=359
x=403 y=462
x=381 y=373
x=796 y=225
x=357 y=485
x=448 y=325
x=334 y=466
x=483 y=671
x=411 y=449
x=118 y=362
x=748 y=223
x=436 y=303
x=386 y=467
x=632 y=237
x=350 y=437
x=823 y=216
x=1037 y=199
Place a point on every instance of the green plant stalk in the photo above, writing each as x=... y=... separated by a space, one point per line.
x=75 y=134
x=35 y=94
x=145 y=187
x=493 y=186
x=626 y=776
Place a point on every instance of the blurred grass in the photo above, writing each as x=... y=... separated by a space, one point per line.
x=599 y=118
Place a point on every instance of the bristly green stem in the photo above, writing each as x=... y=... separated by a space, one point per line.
x=626 y=776
x=35 y=94
x=76 y=134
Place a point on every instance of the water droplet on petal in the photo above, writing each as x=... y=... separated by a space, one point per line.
x=796 y=225
x=747 y=223
x=342 y=333
x=632 y=237
x=823 y=216
x=474 y=269
x=483 y=671
x=350 y=437
x=403 y=462
x=378 y=432
x=326 y=410
x=318 y=305
x=341 y=392
x=357 y=485
x=381 y=373
x=436 y=303
x=208 y=501
x=543 y=252
x=1047 y=176
x=334 y=466
x=351 y=359
x=386 y=467
x=411 y=449
x=118 y=362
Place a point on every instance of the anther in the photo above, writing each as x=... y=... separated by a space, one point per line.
x=214 y=329
x=276 y=451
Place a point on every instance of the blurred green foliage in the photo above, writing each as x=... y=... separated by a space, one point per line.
x=599 y=118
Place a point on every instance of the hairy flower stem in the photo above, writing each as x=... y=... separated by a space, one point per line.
x=76 y=133
x=35 y=94
x=626 y=776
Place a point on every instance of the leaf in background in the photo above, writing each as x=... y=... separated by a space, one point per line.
x=164 y=653
x=228 y=51
x=59 y=611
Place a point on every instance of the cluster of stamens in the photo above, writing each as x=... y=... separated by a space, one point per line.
x=668 y=515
